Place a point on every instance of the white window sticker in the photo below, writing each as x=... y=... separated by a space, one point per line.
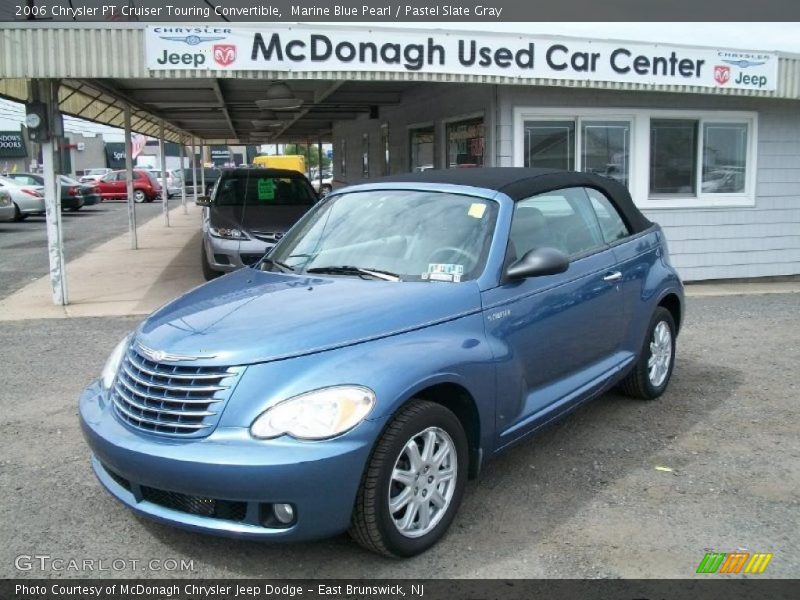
x=476 y=210
x=444 y=272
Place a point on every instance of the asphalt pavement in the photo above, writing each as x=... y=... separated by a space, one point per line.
x=23 y=245
x=621 y=488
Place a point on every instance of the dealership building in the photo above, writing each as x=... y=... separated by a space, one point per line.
x=706 y=139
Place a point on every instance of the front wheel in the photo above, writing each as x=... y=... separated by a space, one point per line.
x=139 y=196
x=413 y=483
x=650 y=376
x=325 y=190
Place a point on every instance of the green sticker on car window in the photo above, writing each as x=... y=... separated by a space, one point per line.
x=266 y=189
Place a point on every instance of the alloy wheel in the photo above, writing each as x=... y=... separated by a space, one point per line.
x=423 y=482
x=660 y=354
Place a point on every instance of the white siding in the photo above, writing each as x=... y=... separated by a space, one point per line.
x=708 y=243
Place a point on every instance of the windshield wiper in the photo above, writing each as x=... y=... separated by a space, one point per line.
x=286 y=268
x=351 y=270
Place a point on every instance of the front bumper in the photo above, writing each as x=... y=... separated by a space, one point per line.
x=319 y=479
x=229 y=255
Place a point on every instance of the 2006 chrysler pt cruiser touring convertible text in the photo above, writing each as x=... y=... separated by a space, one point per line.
x=399 y=335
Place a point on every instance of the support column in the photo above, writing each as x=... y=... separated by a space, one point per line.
x=183 y=174
x=164 y=189
x=194 y=172
x=45 y=90
x=203 y=168
x=319 y=161
x=129 y=178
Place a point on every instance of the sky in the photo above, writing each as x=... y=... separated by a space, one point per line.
x=782 y=37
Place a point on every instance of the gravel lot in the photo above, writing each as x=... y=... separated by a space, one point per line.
x=584 y=499
x=23 y=245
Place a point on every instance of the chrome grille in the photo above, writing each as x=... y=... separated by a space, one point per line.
x=171 y=399
x=270 y=237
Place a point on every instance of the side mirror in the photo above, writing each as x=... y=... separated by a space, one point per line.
x=203 y=201
x=537 y=262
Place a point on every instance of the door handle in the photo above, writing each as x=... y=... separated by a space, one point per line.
x=613 y=276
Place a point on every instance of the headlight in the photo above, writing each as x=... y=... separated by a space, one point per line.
x=316 y=415
x=113 y=362
x=229 y=233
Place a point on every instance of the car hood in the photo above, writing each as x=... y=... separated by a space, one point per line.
x=257 y=218
x=251 y=316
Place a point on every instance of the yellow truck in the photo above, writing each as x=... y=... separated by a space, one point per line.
x=293 y=162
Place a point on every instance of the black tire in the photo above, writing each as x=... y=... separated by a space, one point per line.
x=139 y=196
x=637 y=383
x=18 y=216
x=208 y=272
x=372 y=525
x=75 y=208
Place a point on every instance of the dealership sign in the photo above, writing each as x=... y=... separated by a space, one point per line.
x=12 y=145
x=277 y=47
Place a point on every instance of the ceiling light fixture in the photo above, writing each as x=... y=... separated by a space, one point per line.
x=279 y=96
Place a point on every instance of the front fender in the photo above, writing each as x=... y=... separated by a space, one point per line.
x=396 y=368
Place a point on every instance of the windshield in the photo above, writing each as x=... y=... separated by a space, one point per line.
x=412 y=235
x=262 y=190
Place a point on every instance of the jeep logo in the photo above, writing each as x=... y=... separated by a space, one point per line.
x=757 y=81
x=186 y=58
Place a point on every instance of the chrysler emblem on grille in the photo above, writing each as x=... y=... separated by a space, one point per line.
x=160 y=355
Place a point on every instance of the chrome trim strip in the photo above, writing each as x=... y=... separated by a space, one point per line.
x=166 y=411
x=174 y=399
x=191 y=426
x=133 y=359
x=160 y=355
x=167 y=386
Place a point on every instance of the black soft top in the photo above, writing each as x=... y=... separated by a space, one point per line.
x=519 y=183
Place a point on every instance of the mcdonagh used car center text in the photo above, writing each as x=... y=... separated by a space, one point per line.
x=705 y=139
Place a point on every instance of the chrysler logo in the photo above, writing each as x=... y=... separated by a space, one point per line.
x=160 y=355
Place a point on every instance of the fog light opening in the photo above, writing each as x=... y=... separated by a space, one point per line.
x=283 y=512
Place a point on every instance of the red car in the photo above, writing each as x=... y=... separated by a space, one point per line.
x=114 y=186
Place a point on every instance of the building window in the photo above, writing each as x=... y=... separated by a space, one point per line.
x=673 y=157
x=724 y=158
x=421 y=145
x=604 y=146
x=666 y=158
x=550 y=144
x=365 y=155
x=680 y=149
x=343 y=160
x=465 y=143
x=386 y=165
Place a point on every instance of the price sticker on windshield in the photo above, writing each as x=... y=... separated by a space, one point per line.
x=476 y=210
x=266 y=189
x=444 y=272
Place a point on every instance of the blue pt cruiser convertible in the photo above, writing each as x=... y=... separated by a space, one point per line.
x=401 y=334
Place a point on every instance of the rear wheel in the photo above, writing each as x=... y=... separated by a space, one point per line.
x=18 y=216
x=208 y=272
x=325 y=190
x=139 y=196
x=413 y=483
x=651 y=374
